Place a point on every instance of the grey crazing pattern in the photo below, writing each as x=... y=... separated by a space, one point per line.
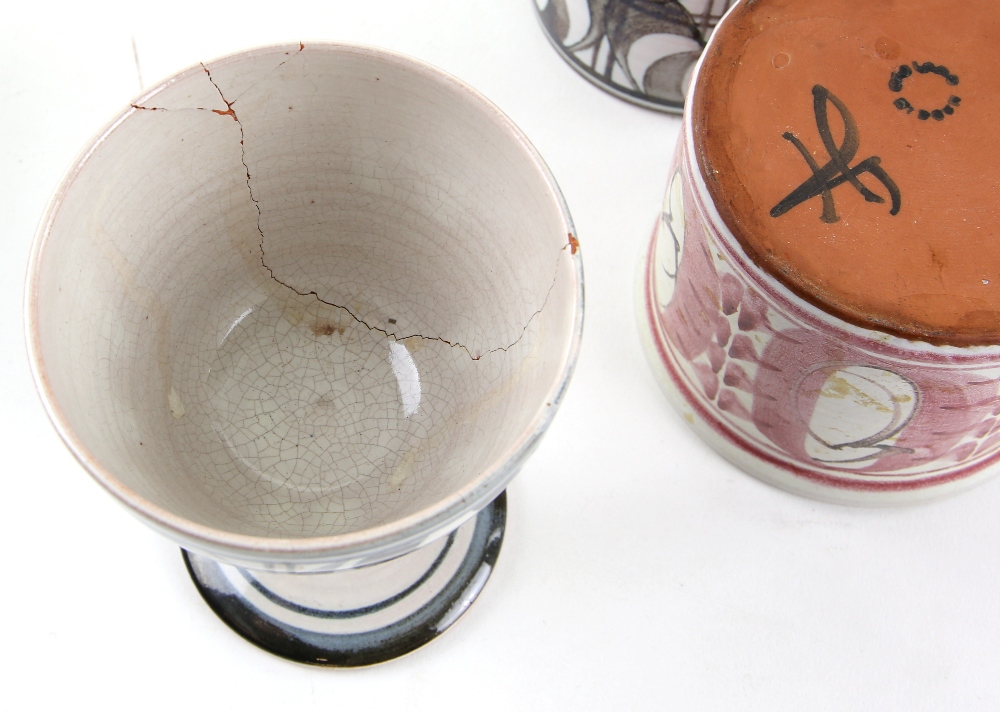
x=391 y=334
x=320 y=423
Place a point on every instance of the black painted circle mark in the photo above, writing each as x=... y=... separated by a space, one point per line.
x=904 y=71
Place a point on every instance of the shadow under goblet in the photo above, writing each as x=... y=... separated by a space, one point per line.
x=306 y=310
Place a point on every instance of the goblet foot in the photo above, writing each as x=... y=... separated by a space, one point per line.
x=357 y=616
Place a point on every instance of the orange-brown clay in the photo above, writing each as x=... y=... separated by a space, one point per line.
x=930 y=271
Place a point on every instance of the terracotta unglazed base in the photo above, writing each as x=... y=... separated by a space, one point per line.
x=893 y=223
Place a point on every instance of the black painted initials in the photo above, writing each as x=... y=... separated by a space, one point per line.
x=837 y=170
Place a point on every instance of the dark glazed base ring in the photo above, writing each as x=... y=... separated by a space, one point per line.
x=358 y=616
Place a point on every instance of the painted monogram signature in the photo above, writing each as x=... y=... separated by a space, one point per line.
x=837 y=170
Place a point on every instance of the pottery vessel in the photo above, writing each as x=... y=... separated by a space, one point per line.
x=306 y=310
x=642 y=51
x=765 y=342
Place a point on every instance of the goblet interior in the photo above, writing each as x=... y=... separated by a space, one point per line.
x=305 y=292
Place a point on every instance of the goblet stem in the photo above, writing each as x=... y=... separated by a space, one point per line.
x=359 y=616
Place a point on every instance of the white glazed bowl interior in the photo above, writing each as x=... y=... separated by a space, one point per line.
x=305 y=298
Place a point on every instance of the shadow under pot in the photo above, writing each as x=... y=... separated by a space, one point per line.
x=821 y=293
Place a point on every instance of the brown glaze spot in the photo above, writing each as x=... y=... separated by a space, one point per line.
x=574 y=244
x=322 y=327
x=927 y=272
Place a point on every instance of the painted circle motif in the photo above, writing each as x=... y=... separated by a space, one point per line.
x=854 y=414
x=899 y=76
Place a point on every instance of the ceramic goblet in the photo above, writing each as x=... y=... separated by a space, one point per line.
x=306 y=310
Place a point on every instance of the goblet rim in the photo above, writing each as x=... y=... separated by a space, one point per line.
x=365 y=545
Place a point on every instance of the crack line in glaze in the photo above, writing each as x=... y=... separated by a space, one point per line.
x=573 y=242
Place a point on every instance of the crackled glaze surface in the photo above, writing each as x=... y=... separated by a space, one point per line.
x=306 y=293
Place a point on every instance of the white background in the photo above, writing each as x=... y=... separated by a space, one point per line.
x=639 y=571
